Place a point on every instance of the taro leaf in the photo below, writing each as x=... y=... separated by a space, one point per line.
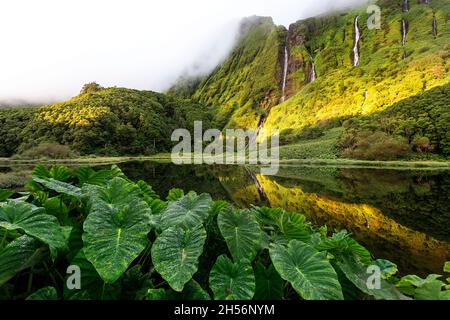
x=33 y=221
x=160 y=294
x=192 y=292
x=291 y=225
x=242 y=233
x=60 y=173
x=388 y=269
x=58 y=186
x=115 y=231
x=56 y=207
x=41 y=171
x=157 y=206
x=135 y=284
x=20 y=254
x=175 y=254
x=92 y=285
x=340 y=244
x=447 y=267
x=88 y=175
x=57 y=172
x=431 y=290
x=147 y=191
x=359 y=274
x=187 y=212
x=269 y=285
x=232 y=281
x=308 y=270
x=118 y=192
x=47 y=293
x=5 y=194
x=175 y=194
x=113 y=237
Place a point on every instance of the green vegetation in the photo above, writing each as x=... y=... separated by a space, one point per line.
x=418 y=124
x=246 y=85
x=112 y=121
x=129 y=243
x=391 y=81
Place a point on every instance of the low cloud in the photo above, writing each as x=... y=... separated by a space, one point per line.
x=50 y=48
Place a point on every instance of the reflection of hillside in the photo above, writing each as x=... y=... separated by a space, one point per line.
x=416 y=199
x=382 y=235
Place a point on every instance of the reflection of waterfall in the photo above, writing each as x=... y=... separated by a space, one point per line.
x=356 y=47
x=434 y=26
x=312 y=72
x=258 y=129
x=258 y=185
x=405 y=5
x=285 y=73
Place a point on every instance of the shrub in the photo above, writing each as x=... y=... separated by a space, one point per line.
x=368 y=145
x=422 y=144
x=47 y=150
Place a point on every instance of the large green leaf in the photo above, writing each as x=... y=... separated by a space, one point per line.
x=232 y=281
x=175 y=254
x=187 y=212
x=33 y=221
x=5 y=194
x=358 y=273
x=92 y=285
x=291 y=225
x=242 y=233
x=340 y=244
x=58 y=186
x=308 y=270
x=87 y=175
x=115 y=231
x=47 y=293
x=269 y=285
x=20 y=254
x=117 y=192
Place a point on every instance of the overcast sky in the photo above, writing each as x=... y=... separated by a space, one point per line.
x=50 y=48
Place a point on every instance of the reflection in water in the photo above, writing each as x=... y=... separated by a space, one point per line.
x=400 y=215
x=403 y=216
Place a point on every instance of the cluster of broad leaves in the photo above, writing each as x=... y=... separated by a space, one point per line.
x=125 y=242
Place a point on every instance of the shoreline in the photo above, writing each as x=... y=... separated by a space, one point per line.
x=163 y=158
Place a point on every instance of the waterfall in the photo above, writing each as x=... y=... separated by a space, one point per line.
x=285 y=73
x=434 y=26
x=405 y=6
x=356 y=47
x=404 y=31
x=312 y=72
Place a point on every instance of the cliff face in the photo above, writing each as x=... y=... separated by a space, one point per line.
x=388 y=70
x=337 y=68
x=247 y=83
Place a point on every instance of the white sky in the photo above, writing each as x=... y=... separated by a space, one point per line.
x=50 y=48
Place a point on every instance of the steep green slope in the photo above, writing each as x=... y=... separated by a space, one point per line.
x=383 y=76
x=112 y=121
x=323 y=86
x=247 y=84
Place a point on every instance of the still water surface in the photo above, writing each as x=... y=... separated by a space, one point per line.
x=399 y=215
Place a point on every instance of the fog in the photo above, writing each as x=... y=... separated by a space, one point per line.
x=50 y=48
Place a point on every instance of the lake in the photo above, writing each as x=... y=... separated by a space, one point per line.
x=399 y=215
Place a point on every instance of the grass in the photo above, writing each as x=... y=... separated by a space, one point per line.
x=321 y=148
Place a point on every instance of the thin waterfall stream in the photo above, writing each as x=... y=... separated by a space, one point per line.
x=356 y=47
